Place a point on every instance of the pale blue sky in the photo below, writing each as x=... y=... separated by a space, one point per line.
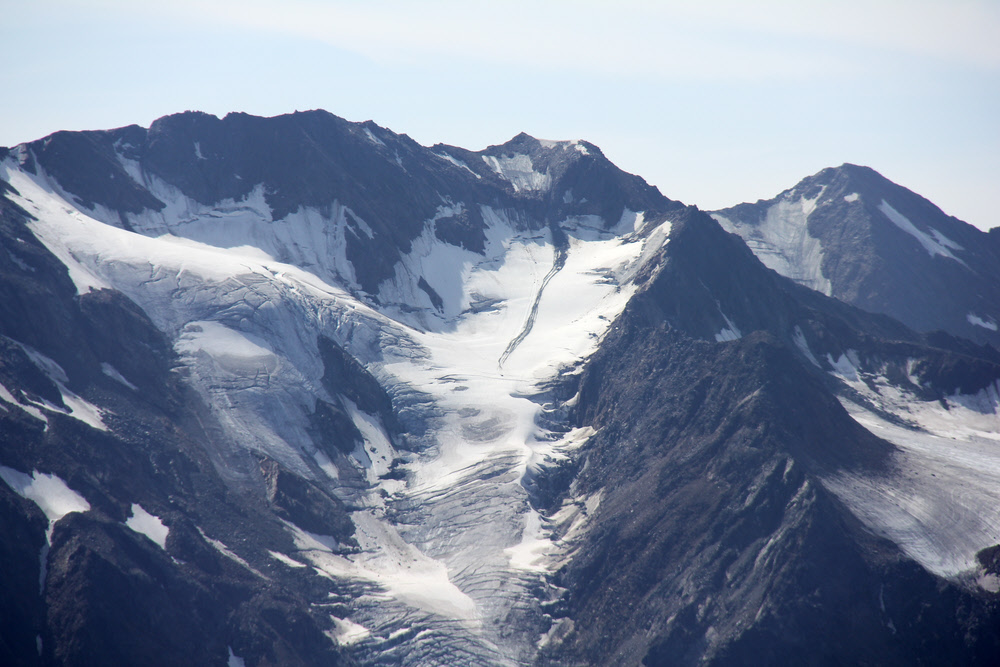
x=713 y=102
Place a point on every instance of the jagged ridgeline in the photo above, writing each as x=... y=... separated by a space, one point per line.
x=300 y=391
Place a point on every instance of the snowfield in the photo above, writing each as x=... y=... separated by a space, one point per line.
x=782 y=241
x=941 y=501
x=469 y=346
x=461 y=561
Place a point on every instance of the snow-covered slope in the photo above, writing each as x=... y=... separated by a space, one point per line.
x=469 y=344
x=379 y=357
x=850 y=233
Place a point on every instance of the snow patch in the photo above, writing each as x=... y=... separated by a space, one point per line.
x=458 y=163
x=234 y=660
x=232 y=350
x=113 y=373
x=377 y=453
x=853 y=197
x=730 y=332
x=986 y=323
x=290 y=562
x=372 y=138
x=146 y=524
x=782 y=241
x=800 y=342
x=934 y=243
x=225 y=551
x=76 y=407
x=346 y=632
x=846 y=366
x=940 y=502
x=519 y=171
x=49 y=492
x=8 y=397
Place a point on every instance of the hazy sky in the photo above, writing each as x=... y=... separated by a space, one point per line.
x=713 y=102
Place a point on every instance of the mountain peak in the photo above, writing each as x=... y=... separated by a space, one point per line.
x=852 y=233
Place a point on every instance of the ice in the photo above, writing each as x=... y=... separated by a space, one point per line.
x=782 y=241
x=197 y=151
x=146 y=524
x=934 y=243
x=977 y=321
x=387 y=560
x=853 y=197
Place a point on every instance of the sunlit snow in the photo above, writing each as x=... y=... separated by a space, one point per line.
x=941 y=501
x=934 y=243
x=146 y=524
x=519 y=171
x=977 y=321
x=782 y=241
x=464 y=548
x=113 y=373
x=48 y=491
x=346 y=632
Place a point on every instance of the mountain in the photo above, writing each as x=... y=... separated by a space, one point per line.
x=852 y=234
x=298 y=390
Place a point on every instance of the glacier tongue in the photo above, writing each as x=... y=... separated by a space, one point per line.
x=454 y=555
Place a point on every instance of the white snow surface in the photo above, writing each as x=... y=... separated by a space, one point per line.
x=48 y=491
x=467 y=551
x=346 y=632
x=76 y=407
x=783 y=243
x=729 y=332
x=8 y=397
x=941 y=500
x=458 y=163
x=977 y=321
x=146 y=524
x=234 y=660
x=519 y=171
x=934 y=243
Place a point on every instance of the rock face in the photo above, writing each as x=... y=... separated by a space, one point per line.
x=301 y=391
x=716 y=540
x=852 y=234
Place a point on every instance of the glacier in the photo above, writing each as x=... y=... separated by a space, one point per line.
x=453 y=555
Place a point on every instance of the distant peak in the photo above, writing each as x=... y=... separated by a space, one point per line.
x=525 y=144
